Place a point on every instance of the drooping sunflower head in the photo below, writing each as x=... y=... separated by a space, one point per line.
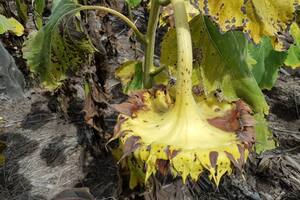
x=183 y=139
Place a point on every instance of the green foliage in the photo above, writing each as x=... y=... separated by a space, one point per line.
x=133 y=3
x=22 y=9
x=268 y=62
x=293 y=57
x=39 y=6
x=51 y=53
x=55 y=3
x=263 y=135
x=10 y=24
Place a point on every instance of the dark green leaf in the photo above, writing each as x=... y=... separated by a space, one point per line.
x=268 y=62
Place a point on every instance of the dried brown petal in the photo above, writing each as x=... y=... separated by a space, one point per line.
x=229 y=122
x=163 y=166
x=171 y=154
x=213 y=157
x=234 y=162
x=131 y=144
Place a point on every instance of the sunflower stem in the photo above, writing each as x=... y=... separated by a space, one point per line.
x=184 y=53
x=150 y=46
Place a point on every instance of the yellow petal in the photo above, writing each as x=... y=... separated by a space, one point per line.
x=179 y=139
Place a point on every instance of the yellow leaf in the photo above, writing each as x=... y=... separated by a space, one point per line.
x=257 y=18
x=130 y=75
x=10 y=24
x=126 y=71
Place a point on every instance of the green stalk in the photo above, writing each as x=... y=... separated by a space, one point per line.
x=151 y=33
x=184 y=53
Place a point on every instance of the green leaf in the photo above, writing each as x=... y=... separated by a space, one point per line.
x=39 y=6
x=51 y=54
x=131 y=76
x=224 y=65
x=55 y=3
x=133 y=3
x=264 y=138
x=268 y=62
x=22 y=9
x=293 y=57
x=220 y=60
x=10 y=24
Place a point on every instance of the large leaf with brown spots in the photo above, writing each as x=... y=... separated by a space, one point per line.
x=59 y=47
x=257 y=18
